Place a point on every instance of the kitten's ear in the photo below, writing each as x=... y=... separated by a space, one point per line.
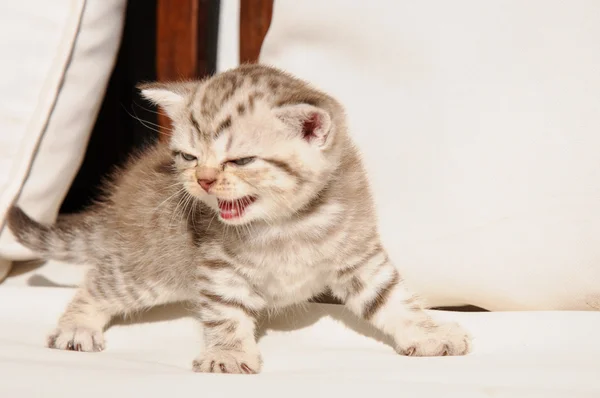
x=312 y=123
x=171 y=97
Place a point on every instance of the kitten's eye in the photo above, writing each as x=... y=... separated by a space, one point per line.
x=242 y=161
x=188 y=157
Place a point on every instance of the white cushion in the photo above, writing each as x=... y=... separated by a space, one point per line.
x=479 y=122
x=57 y=57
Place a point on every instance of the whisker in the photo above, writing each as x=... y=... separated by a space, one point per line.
x=211 y=220
x=149 y=110
x=182 y=202
x=170 y=197
x=236 y=205
x=146 y=123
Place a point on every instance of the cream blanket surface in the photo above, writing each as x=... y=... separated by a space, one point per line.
x=318 y=350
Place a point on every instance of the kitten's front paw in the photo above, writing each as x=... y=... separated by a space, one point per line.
x=76 y=339
x=434 y=340
x=227 y=361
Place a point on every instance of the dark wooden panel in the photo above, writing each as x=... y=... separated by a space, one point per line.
x=177 y=39
x=176 y=45
x=255 y=19
x=186 y=36
x=187 y=32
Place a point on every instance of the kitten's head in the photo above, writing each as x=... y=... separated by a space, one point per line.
x=253 y=143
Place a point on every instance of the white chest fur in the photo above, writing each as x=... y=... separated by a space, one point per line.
x=292 y=263
x=288 y=275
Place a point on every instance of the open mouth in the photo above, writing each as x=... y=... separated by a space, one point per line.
x=231 y=209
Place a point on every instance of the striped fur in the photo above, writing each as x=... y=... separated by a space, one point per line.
x=159 y=237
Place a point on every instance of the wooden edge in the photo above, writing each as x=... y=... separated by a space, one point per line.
x=186 y=35
x=255 y=19
x=186 y=39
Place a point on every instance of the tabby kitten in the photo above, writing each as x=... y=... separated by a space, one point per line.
x=260 y=202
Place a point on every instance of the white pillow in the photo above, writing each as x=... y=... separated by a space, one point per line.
x=480 y=126
x=57 y=57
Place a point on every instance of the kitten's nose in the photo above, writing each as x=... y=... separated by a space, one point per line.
x=206 y=183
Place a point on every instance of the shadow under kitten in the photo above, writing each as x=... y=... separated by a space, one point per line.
x=293 y=318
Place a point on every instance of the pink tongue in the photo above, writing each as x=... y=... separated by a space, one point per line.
x=231 y=210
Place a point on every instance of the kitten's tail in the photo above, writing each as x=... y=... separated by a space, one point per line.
x=66 y=240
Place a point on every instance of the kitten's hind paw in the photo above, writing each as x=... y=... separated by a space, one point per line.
x=76 y=339
x=434 y=340
x=227 y=361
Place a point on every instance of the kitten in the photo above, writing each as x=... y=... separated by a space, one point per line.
x=260 y=202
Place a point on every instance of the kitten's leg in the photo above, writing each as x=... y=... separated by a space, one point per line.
x=106 y=292
x=371 y=287
x=80 y=326
x=229 y=321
